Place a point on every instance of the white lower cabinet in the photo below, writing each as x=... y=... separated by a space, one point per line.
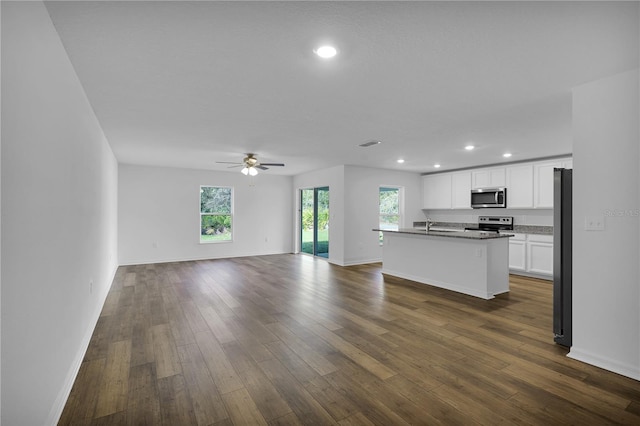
x=531 y=253
x=518 y=252
x=540 y=254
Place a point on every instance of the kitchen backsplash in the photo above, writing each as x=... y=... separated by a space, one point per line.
x=529 y=217
x=517 y=229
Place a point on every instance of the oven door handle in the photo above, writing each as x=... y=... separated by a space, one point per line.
x=496 y=196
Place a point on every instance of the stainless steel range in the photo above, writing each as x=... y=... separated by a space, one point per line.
x=493 y=224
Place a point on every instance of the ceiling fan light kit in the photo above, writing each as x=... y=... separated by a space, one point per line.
x=251 y=171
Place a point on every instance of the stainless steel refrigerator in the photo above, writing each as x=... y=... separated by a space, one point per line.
x=562 y=236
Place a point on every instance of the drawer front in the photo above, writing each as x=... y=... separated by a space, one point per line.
x=537 y=238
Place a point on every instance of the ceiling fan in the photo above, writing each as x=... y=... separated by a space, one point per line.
x=251 y=164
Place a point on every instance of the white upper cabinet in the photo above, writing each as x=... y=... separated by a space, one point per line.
x=520 y=186
x=543 y=184
x=461 y=190
x=529 y=185
x=488 y=178
x=436 y=191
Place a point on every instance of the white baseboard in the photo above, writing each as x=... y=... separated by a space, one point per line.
x=441 y=284
x=361 y=262
x=627 y=370
x=193 y=259
x=65 y=391
x=531 y=274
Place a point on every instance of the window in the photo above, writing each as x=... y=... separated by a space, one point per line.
x=390 y=209
x=216 y=214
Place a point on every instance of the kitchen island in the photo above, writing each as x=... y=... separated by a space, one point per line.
x=470 y=262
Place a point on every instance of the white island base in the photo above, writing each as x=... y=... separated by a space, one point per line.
x=477 y=267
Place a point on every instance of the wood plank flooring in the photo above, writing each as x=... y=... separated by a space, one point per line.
x=293 y=340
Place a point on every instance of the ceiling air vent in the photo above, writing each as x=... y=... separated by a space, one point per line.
x=370 y=143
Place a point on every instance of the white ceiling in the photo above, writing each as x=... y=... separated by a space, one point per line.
x=186 y=84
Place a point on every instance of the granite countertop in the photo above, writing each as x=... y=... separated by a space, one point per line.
x=533 y=229
x=469 y=235
x=517 y=229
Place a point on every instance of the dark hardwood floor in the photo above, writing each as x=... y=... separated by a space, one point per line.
x=289 y=339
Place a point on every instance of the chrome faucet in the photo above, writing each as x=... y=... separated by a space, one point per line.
x=429 y=224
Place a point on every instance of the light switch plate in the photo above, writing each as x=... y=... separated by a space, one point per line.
x=594 y=223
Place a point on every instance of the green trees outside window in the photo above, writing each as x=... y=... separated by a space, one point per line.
x=216 y=213
x=390 y=209
x=314 y=221
x=307 y=210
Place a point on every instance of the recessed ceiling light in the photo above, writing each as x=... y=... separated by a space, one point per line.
x=469 y=147
x=326 y=51
x=506 y=155
x=400 y=160
x=437 y=166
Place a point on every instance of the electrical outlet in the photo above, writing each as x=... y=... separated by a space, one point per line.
x=154 y=244
x=594 y=223
x=90 y=286
x=479 y=252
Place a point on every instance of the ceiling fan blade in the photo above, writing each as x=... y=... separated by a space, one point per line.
x=251 y=161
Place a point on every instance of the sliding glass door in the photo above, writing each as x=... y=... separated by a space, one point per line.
x=307 y=221
x=314 y=221
x=322 y=222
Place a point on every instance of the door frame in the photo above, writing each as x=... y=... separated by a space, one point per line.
x=299 y=226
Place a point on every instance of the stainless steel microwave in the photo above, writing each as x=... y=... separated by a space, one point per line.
x=489 y=197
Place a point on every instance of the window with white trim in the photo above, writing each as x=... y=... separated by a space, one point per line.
x=390 y=209
x=216 y=214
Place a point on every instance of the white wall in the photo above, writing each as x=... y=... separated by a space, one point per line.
x=362 y=186
x=606 y=278
x=159 y=214
x=59 y=218
x=333 y=178
x=353 y=208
